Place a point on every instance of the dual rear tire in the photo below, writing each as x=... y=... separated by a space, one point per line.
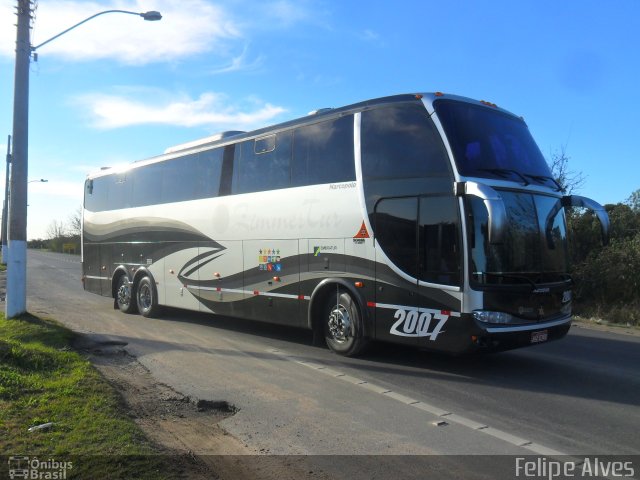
x=147 y=298
x=142 y=298
x=124 y=294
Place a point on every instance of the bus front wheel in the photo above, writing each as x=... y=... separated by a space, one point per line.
x=343 y=325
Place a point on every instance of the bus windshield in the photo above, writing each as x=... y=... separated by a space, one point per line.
x=488 y=143
x=526 y=257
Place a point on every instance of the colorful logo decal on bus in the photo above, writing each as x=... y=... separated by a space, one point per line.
x=269 y=260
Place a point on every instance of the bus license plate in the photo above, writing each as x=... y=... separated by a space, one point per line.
x=541 y=336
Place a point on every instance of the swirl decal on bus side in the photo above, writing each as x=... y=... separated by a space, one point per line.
x=417 y=322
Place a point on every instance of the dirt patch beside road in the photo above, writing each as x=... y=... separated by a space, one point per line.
x=187 y=429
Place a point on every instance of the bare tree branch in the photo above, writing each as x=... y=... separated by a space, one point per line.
x=74 y=224
x=56 y=229
x=634 y=201
x=569 y=180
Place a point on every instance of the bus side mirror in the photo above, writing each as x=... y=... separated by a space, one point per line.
x=494 y=204
x=578 y=201
x=601 y=213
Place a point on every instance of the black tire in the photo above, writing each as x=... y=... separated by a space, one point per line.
x=124 y=295
x=147 y=298
x=343 y=328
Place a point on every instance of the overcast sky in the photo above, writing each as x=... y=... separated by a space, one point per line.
x=119 y=89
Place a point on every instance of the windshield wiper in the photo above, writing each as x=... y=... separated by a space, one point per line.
x=503 y=172
x=566 y=277
x=544 y=177
x=513 y=277
x=534 y=286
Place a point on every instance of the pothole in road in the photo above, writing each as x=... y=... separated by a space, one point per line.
x=108 y=348
x=145 y=396
x=221 y=406
x=86 y=344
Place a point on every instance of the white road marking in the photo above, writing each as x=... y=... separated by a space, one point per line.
x=426 y=407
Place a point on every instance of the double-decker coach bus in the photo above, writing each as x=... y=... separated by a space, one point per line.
x=429 y=220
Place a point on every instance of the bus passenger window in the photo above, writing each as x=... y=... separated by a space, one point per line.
x=95 y=196
x=119 y=192
x=262 y=164
x=401 y=141
x=395 y=227
x=323 y=153
x=439 y=237
x=209 y=172
x=264 y=144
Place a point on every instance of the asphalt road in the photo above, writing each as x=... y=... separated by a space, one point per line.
x=578 y=396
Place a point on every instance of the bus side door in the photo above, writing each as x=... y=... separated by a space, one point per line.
x=396 y=269
x=418 y=268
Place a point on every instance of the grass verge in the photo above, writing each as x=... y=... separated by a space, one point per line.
x=43 y=380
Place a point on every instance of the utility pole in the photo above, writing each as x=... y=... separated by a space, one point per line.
x=16 y=302
x=5 y=205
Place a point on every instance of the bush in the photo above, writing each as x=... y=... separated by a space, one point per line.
x=607 y=279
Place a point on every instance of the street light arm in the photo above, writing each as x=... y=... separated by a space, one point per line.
x=16 y=298
x=151 y=16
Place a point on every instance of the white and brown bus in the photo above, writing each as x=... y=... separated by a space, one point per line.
x=423 y=219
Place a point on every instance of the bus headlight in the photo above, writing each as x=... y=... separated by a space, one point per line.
x=493 y=317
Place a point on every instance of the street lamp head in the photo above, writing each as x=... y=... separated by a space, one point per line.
x=152 y=16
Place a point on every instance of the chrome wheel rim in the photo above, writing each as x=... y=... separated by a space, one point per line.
x=124 y=295
x=144 y=296
x=340 y=324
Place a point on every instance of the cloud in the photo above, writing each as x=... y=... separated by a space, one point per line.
x=287 y=13
x=52 y=187
x=188 y=27
x=240 y=63
x=209 y=109
x=57 y=188
x=369 y=35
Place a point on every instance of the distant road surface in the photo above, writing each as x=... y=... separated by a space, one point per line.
x=577 y=396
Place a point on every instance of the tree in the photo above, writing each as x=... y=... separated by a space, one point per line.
x=634 y=201
x=74 y=224
x=607 y=278
x=56 y=229
x=569 y=180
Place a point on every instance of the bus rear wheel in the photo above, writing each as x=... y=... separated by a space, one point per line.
x=343 y=325
x=124 y=298
x=147 y=298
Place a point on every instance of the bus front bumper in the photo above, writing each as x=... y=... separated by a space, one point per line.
x=497 y=338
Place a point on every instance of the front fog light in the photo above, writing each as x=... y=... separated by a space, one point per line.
x=492 y=317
